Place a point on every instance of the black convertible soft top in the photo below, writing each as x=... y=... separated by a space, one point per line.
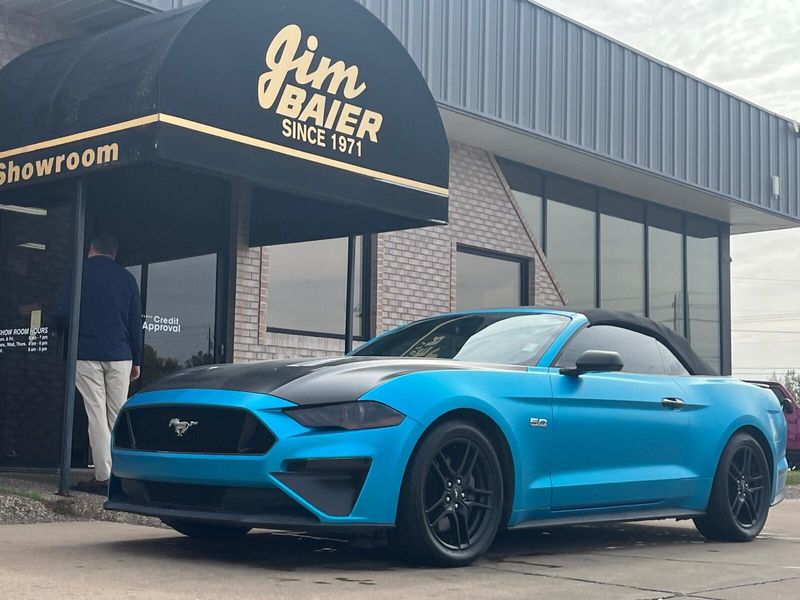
x=675 y=342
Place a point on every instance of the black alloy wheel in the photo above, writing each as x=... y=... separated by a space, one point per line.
x=740 y=495
x=746 y=487
x=452 y=499
x=457 y=497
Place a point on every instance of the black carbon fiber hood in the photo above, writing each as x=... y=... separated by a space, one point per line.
x=308 y=382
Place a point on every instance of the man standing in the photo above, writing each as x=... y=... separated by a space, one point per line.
x=109 y=349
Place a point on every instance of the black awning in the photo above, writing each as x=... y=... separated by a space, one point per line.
x=311 y=99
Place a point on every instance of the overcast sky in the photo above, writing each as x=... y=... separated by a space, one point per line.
x=751 y=48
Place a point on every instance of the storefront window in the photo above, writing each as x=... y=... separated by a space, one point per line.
x=308 y=286
x=665 y=256
x=702 y=261
x=526 y=184
x=36 y=254
x=489 y=281
x=682 y=262
x=621 y=254
x=571 y=239
x=179 y=320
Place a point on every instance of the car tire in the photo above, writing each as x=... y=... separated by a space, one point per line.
x=451 y=501
x=740 y=494
x=206 y=531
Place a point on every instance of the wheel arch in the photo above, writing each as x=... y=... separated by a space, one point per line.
x=720 y=522
x=752 y=427
x=762 y=441
x=499 y=440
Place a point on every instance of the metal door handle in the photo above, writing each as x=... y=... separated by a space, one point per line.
x=672 y=402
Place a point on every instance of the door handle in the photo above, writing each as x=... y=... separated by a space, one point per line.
x=675 y=403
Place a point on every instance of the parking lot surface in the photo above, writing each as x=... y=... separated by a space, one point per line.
x=645 y=560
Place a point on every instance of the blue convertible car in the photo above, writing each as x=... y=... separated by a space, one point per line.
x=446 y=430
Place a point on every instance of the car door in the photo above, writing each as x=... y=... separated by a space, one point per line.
x=618 y=438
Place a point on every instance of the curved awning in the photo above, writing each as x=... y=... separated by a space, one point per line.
x=315 y=99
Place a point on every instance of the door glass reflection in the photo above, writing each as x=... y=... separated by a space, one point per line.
x=179 y=319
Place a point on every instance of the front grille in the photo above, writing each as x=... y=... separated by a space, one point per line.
x=270 y=504
x=192 y=429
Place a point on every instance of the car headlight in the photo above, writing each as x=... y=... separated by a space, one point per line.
x=348 y=415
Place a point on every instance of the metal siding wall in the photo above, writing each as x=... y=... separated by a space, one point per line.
x=517 y=63
x=588 y=97
x=793 y=183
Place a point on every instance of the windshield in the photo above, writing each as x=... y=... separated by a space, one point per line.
x=510 y=339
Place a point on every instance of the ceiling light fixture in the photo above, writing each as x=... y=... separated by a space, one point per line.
x=26 y=210
x=33 y=246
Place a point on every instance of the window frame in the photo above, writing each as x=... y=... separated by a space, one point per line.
x=524 y=263
x=554 y=363
x=366 y=301
x=693 y=223
x=631 y=210
x=521 y=178
x=665 y=219
x=588 y=205
x=655 y=215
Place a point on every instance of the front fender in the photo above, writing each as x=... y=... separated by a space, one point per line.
x=509 y=399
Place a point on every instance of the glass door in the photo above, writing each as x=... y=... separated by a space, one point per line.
x=179 y=300
x=36 y=250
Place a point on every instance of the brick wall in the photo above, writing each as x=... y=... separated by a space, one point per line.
x=19 y=33
x=414 y=273
x=417 y=268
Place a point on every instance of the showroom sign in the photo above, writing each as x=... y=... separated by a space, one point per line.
x=12 y=171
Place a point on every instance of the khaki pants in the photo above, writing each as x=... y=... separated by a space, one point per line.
x=104 y=387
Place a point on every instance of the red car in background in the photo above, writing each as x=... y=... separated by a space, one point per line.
x=791 y=411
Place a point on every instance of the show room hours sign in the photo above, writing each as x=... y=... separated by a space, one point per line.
x=34 y=338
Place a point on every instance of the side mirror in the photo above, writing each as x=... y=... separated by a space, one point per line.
x=595 y=361
x=788 y=406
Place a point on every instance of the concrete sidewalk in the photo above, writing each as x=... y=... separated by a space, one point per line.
x=628 y=561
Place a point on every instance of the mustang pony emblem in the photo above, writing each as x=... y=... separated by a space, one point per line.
x=181 y=427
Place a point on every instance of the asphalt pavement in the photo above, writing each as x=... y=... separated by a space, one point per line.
x=661 y=559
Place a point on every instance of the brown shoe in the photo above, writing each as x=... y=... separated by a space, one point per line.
x=93 y=486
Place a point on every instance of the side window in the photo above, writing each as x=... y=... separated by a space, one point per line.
x=640 y=353
x=672 y=365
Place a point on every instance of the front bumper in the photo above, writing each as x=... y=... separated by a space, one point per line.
x=235 y=505
x=252 y=507
x=308 y=478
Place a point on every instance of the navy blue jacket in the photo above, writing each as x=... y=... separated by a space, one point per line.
x=111 y=312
